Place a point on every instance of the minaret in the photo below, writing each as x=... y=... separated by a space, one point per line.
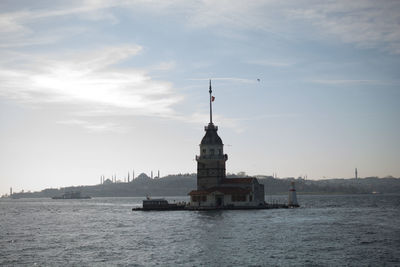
x=356 y=173
x=211 y=161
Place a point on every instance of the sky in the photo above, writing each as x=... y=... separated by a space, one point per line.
x=302 y=88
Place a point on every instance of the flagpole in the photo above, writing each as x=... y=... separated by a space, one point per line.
x=210 y=103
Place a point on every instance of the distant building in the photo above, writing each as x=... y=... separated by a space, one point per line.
x=143 y=176
x=108 y=181
x=213 y=188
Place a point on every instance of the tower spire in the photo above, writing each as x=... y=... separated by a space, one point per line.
x=210 y=91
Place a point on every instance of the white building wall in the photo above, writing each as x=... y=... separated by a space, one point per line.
x=210 y=202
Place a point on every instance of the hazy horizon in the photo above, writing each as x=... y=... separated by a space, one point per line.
x=124 y=179
x=91 y=88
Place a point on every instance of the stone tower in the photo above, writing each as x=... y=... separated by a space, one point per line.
x=211 y=161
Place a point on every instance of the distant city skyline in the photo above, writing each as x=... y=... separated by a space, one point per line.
x=92 y=88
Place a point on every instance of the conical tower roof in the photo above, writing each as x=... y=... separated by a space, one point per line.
x=211 y=137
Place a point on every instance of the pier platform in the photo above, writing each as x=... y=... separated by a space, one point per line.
x=205 y=208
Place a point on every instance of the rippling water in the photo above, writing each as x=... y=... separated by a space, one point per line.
x=326 y=230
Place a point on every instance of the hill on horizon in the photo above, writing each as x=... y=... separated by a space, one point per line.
x=181 y=184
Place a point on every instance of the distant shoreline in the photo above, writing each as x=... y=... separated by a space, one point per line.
x=171 y=196
x=180 y=185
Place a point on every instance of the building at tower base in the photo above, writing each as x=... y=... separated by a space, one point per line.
x=231 y=192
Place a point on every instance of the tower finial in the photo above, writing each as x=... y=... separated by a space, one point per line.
x=210 y=91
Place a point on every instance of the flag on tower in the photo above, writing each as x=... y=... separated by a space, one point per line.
x=212 y=98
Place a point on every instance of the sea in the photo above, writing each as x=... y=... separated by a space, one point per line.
x=327 y=230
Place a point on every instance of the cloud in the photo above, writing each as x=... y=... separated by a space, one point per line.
x=164 y=66
x=270 y=63
x=97 y=78
x=364 y=23
x=367 y=24
x=345 y=82
x=95 y=127
x=92 y=10
x=87 y=79
x=17 y=28
x=228 y=79
x=96 y=87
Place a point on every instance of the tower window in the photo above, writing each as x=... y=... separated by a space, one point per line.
x=212 y=151
x=220 y=151
x=204 y=151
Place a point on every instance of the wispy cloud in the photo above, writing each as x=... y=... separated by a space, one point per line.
x=164 y=66
x=228 y=79
x=95 y=127
x=96 y=87
x=273 y=115
x=346 y=82
x=97 y=78
x=270 y=63
x=18 y=21
x=17 y=28
x=88 y=78
x=365 y=23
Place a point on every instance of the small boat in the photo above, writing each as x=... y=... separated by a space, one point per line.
x=71 y=195
x=160 y=204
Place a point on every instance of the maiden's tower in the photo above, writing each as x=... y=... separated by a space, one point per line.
x=214 y=190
